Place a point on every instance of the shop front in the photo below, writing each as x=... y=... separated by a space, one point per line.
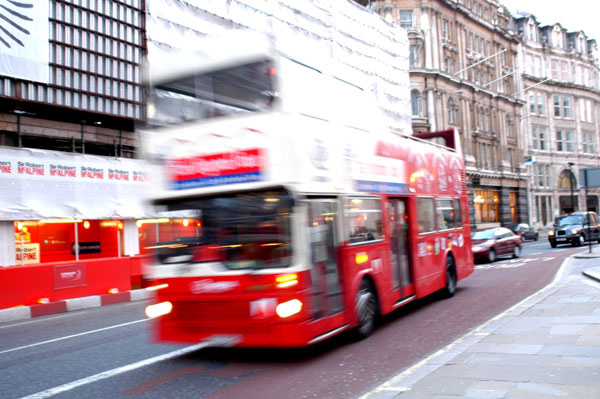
x=69 y=225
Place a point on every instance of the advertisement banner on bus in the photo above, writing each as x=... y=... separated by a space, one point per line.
x=242 y=166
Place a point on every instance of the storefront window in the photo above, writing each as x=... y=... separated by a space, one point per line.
x=513 y=207
x=486 y=206
x=56 y=240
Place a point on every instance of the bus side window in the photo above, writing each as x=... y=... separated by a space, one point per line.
x=445 y=213
x=458 y=213
x=362 y=218
x=425 y=215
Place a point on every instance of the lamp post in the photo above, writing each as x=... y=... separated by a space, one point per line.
x=571 y=185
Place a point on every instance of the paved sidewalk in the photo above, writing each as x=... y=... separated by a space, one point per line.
x=547 y=346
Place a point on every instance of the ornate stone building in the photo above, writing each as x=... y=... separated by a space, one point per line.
x=562 y=117
x=464 y=60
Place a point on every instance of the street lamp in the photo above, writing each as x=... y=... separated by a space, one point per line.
x=571 y=184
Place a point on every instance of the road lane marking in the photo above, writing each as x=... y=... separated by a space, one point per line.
x=512 y=263
x=71 y=336
x=111 y=373
x=57 y=316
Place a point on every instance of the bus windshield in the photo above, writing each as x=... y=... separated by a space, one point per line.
x=242 y=231
x=199 y=96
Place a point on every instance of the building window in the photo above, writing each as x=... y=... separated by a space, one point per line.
x=540 y=170
x=557 y=106
x=514 y=211
x=569 y=141
x=542 y=137
x=538 y=138
x=451 y=111
x=560 y=141
x=445 y=33
x=449 y=64
x=531 y=31
x=486 y=206
x=540 y=102
x=508 y=126
x=415 y=100
x=566 y=107
x=557 y=37
x=414 y=50
x=588 y=142
x=511 y=158
x=406 y=18
x=536 y=103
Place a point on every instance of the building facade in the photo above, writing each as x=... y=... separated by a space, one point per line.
x=464 y=61
x=562 y=118
x=70 y=93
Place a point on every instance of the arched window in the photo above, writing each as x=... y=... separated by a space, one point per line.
x=415 y=100
x=531 y=30
x=566 y=179
x=557 y=37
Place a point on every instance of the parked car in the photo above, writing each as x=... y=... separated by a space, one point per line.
x=575 y=228
x=488 y=244
x=525 y=231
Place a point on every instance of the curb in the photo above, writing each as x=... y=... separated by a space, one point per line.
x=69 y=305
x=592 y=273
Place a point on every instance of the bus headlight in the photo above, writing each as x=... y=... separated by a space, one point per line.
x=159 y=309
x=289 y=308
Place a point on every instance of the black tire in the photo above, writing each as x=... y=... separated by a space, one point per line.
x=366 y=310
x=536 y=237
x=492 y=255
x=451 y=279
x=553 y=244
x=579 y=241
x=516 y=251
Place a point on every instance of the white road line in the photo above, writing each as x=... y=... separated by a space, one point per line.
x=72 y=336
x=111 y=373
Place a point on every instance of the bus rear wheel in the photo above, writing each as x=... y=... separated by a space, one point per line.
x=366 y=310
x=450 y=287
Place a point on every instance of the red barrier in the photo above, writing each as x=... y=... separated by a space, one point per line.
x=26 y=285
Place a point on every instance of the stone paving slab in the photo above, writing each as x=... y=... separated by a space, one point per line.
x=544 y=391
x=547 y=346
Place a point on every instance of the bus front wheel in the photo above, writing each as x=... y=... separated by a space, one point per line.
x=366 y=309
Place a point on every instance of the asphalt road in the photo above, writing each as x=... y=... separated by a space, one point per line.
x=106 y=352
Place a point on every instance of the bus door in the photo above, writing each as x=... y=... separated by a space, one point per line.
x=325 y=274
x=400 y=258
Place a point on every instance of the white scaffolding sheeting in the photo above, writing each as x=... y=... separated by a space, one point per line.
x=337 y=35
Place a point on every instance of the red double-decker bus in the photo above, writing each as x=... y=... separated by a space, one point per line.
x=282 y=228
